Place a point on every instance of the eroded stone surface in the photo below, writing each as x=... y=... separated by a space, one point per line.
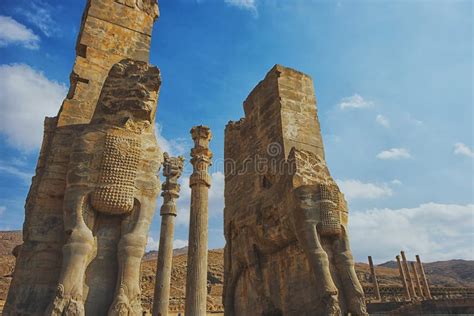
x=287 y=250
x=103 y=41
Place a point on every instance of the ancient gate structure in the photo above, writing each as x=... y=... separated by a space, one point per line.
x=287 y=249
x=73 y=193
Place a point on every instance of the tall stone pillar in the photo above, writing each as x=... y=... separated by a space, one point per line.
x=200 y=182
x=411 y=285
x=417 y=280
x=426 y=287
x=404 y=280
x=374 y=280
x=172 y=169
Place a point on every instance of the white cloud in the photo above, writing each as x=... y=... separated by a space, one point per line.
x=355 y=189
x=2 y=209
x=396 y=182
x=462 y=149
x=394 y=154
x=243 y=4
x=153 y=245
x=13 y=32
x=179 y=243
x=26 y=97
x=382 y=120
x=174 y=147
x=354 y=102
x=434 y=231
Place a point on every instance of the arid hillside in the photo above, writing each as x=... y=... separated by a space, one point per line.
x=453 y=273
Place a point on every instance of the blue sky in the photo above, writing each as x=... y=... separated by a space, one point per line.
x=393 y=81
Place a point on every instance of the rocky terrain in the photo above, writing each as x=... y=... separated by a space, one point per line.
x=453 y=273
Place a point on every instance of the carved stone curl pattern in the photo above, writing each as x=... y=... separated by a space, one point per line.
x=172 y=170
x=201 y=156
x=116 y=188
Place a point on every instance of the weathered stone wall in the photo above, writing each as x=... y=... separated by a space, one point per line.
x=275 y=166
x=110 y=31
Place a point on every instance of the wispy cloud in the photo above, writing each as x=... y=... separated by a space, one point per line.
x=354 y=102
x=394 y=154
x=174 y=147
x=243 y=4
x=27 y=96
x=13 y=32
x=355 y=189
x=396 y=182
x=12 y=169
x=2 y=209
x=463 y=149
x=430 y=230
x=382 y=120
x=39 y=13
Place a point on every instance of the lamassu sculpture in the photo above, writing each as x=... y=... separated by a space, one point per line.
x=111 y=187
x=287 y=247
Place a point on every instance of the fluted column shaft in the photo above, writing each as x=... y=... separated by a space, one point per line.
x=374 y=279
x=200 y=182
x=404 y=280
x=426 y=287
x=417 y=280
x=172 y=169
x=411 y=285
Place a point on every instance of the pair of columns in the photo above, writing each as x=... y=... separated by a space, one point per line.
x=200 y=182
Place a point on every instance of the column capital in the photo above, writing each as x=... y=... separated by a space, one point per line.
x=172 y=170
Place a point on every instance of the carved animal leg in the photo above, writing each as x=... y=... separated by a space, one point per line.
x=131 y=249
x=77 y=254
x=353 y=291
x=319 y=262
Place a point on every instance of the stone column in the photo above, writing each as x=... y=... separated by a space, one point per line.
x=417 y=280
x=172 y=169
x=404 y=280
x=374 y=280
x=411 y=286
x=200 y=182
x=426 y=287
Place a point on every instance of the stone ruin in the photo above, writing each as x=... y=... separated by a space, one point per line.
x=285 y=220
x=92 y=199
x=93 y=195
x=110 y=197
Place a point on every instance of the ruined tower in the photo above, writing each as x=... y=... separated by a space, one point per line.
x=111 y=30
x=287 y=250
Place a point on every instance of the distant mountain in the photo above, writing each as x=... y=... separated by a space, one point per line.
x=457 y=273
x=153 y=255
